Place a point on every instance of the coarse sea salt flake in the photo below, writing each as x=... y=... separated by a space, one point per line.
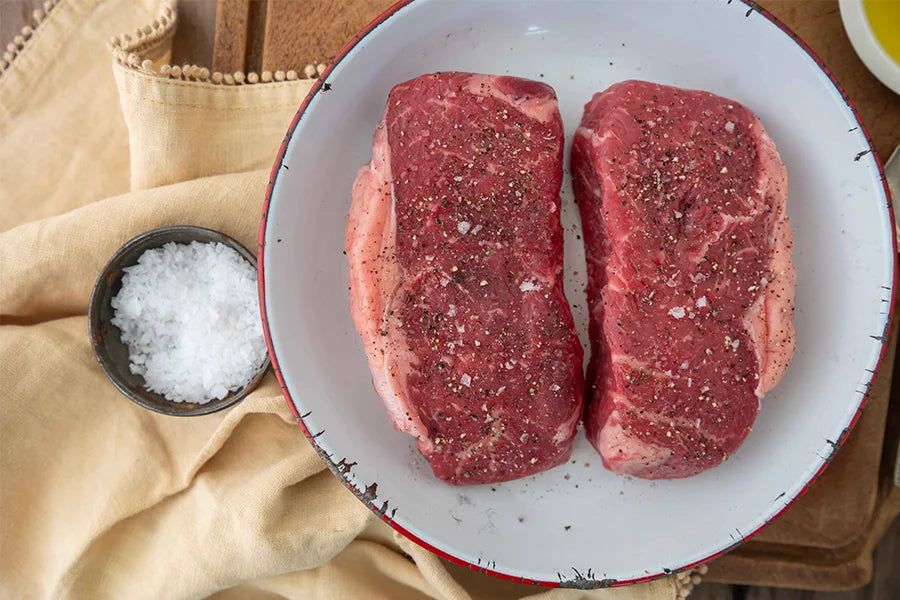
x=463 y=227
x=465 y=380
x=677 y=311
x=189 y=314
x=529 y=286
x=701 y=302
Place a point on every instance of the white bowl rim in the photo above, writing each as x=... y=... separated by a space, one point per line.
x=366 y=495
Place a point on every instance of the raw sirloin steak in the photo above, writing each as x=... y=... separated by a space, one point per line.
x=690 y=280
x=456 y=258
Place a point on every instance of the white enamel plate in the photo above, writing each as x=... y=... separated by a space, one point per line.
x=579 y=524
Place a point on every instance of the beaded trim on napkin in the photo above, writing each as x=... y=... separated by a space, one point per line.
x=136 y=50
x=19 y=42
x=131 y=52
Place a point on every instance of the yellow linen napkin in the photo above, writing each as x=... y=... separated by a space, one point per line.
x=100 y=498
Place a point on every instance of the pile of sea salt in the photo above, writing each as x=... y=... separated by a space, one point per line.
x=189 y=314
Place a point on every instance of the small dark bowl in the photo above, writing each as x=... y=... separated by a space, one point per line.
x=112 y=353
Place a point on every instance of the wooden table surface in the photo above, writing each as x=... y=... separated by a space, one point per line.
x=879 y=107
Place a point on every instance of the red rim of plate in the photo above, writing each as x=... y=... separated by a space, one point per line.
x=276 y=168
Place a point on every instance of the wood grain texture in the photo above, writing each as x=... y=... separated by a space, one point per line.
x=230 y=39
x=313 y=31
x=885 y=584
x=712 y=591
x=256 y=32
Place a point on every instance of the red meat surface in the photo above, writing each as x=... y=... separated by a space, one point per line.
x=456 y=255
x=690 y=280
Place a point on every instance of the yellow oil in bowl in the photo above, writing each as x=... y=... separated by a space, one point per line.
x=884 y=18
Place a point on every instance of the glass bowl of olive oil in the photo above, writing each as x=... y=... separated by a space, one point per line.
x=873 y=27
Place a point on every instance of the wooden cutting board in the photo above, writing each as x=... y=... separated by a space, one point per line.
x=823 y=541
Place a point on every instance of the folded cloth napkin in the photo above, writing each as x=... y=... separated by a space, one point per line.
x=100 y=498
